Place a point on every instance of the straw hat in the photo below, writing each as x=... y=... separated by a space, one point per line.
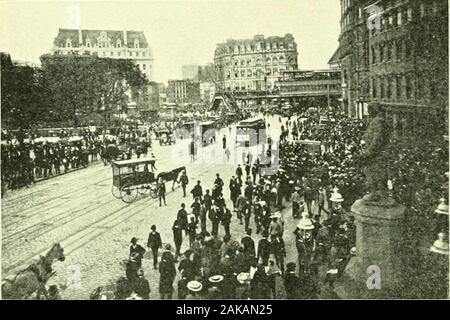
x=216 y=278
x=194 y=286
x=243 y=277
x=276 y=215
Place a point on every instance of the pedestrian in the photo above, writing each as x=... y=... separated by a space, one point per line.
x=295 y=198
x=226 y=220
x=219 y=182
x=154 y=243
x=182 y=217
x=184 y=180
x=309 y=198
x=141 y=286
x=197 y=191
x=161 y=191
x=239 y=174
x=136 y=248
x=228 y=154
x=264 y=249
x=291 y=282
x=224 y=142
x=214 y=218
x=255 y=171
x=167 y=273
x=177 y=237
x=233 y=191
x=196 y=208
x=241 y=205
x=192 y=231
x=321 y=201
x=202 y=216
x=248 y=244
x=131 y=271
x=207 y=200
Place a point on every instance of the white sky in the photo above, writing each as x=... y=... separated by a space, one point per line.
x=179 y=32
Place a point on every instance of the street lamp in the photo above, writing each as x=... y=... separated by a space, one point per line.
x=336 y=199
x=440 y=246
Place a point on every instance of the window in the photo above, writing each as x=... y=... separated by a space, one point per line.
x=268 y=60
x=391 y=20
x=291 y=46
x=242 y=62
x=398 y=89
x=275 y=61
x=258 y=62
x=422 y=10
x=399 y=18
x=274 y=46
x=374 y=88
x=118 y=54
x=131 y=53
x=143 y=66
x=281 y=46
x=381 y=50
x=267 y=46
x=112 y=53
x=275 y=71
x=136 y=44
x=249 y=62
x=374 y=55
x=249 y=72
x=137 y=54
x=68 y=43
x=281 y=60
x=409 y=87
x=409 y=14
x=389 y=87
x=88 y=43
x=388 y=51
x=236 y=74
x=118 y=43
x=242 y=73
x=143 y=53
x=236 y=62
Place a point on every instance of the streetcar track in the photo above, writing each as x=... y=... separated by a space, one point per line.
x=41 y=211
x=76 y=191
x=94 y=225
x=19 y=234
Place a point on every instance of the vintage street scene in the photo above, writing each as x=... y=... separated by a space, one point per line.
x=213 y=150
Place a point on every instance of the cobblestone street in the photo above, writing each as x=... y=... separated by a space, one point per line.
x=94 y=228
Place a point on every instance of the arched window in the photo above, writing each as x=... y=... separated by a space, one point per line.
x=281 y=60
x=249 y=62
x=268 y=60
x=88 y=43
x=275 y=71
x=258 y=62
x=243 y=62
x=68 y=43
x=136 y=44
x=249 y=72
x=118 y=43
x=275 y=60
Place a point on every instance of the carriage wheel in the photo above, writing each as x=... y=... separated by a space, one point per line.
x=128 y=193
x=115 y=192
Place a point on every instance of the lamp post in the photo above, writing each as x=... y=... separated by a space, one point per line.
x=336 y=200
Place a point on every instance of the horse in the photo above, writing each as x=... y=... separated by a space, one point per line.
x=34 y=277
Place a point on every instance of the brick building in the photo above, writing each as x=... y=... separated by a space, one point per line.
x=396 y=53
x=251 y=65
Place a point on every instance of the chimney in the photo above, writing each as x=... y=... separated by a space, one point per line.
x=125 y=41
x=80 y=37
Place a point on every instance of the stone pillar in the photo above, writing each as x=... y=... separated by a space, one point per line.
x=379 y=239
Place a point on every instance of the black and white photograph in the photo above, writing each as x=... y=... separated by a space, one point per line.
x=252 y=150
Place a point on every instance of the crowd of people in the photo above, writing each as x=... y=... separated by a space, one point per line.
x=228 y=267
x=26 y=160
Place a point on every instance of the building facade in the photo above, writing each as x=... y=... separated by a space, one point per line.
x=183 y=91
x=310 y=88
x=253 y=64
x=107 y=43
x=395 y=53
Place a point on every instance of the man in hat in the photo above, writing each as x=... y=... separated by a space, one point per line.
x=177 y=237
x=241 y=204
x=264 y=249
x=248 y=244
x=295 y=202
x=202 y=217
x=182 y=218
x=219 y=182
x=248 y=191
x=207 y=200
x=167 y=273
x=132 y=268
x=255 y=171
x=161 y=191
x=196 y=208
x=137 y=249
x=194 y=289
x=197 y=191
x=184 y=180
x=291 y=282
x=321 y=201
x=154 y=243
x=213 y=216
x=226 y=220
x=141 y=286
x=309 y=198
x=275 y=227
x=239 y=174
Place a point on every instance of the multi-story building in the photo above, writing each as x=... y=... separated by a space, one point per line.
x=354 y=57
x=396 y=53
x=251 y=65
x=310 y=88
x=189 y=72
x=183 y=91
x=107 y=43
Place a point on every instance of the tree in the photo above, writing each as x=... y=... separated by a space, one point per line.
x=88 y=85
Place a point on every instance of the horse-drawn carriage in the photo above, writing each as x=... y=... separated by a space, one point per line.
x=165 y=137
x=133 y=177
